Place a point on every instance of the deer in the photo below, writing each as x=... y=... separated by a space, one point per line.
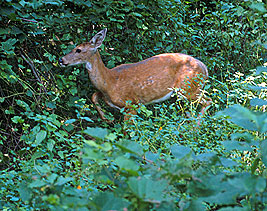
x=152 y=80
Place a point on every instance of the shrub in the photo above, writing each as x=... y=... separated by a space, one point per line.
x=56 y=154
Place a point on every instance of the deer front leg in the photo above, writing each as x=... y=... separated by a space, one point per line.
x=95 y=98
x=129 y=114
x=205 y=103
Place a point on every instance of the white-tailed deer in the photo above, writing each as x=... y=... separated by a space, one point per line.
x=149 y=81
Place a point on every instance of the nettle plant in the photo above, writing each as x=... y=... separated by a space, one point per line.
x=133 y=177
x=125 y=174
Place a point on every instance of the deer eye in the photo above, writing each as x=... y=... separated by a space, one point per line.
x=78 y=51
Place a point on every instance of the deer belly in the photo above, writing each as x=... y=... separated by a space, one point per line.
x=166 y=97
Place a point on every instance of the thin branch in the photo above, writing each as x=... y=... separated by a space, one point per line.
x=33 y=21
x=31 y=64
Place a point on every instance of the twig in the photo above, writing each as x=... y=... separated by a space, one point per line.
x=34 y=71
x=33 y=21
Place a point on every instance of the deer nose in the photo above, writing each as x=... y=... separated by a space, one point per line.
x=61 y=63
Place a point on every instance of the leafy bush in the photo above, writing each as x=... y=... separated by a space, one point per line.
x=56 y=154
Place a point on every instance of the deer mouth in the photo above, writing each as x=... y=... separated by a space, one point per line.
x=61 y=63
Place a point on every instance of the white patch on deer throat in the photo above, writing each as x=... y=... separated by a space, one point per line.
x=88 y=66
x=166 y=97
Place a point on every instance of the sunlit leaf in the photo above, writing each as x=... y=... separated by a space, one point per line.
x=180 y=151
x=264 y=151
x=41 y=135
x=261 y=69
x=126 y=163
x=258 y=102
x=130 y=146
x=25 y=192
x=260 y=6
x=69 y=121
x=50 y=144
x=97 y=132
x=63 y=180
x=241 y=116
x=108 y=201
x=148 y=189
x=37 y=183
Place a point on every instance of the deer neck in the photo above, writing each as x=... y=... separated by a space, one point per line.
x=101 y=77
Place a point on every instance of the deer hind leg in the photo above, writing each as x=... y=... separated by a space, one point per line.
x=201 y=100
x=95 y=98
x=205 y=102
x=129 y=114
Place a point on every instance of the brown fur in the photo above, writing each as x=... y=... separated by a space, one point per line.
x=143 y=82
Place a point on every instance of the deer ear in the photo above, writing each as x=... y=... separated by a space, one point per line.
x=97 y=40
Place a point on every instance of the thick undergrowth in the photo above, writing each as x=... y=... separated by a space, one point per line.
x=57 y=154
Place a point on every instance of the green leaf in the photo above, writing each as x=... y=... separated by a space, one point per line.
x=263 y=148
x=43 y=168
x=237 y=145
x=73 y=90
x=23 y=105
x=205 y=157
x=4 y=31
x=17 y=119
x=37 y=183
x=36 y=155
x=258 y=102
x=227 y=195
x=258 y=6
x=247 y=183
x=51 y=178
x=180 y=151
x=14 y=199
x=147 y=112
x=61 y=154
x=196 y=205
x=106 y=147
x=108 y=201
x=50 y=145
x=126 y=164
x=261 y=69
x=51 y=105
x=69 y=121
x=41 y=135
x=25 y=192
x=111 y=137
x=256 y=88
x=262 y=122
x=130 y=146
x=63 y=180
x=241 y=116
x=97 y=132
x=255 y=165
x=147 y=189
x=205 y=185
x=136 y=14
x=92 y=154
x=244 y=136
x=87 y=119
x=52 y=199
x=9 y=44
x=228 y=163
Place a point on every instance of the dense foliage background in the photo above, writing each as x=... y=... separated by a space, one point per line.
x=56 y=153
